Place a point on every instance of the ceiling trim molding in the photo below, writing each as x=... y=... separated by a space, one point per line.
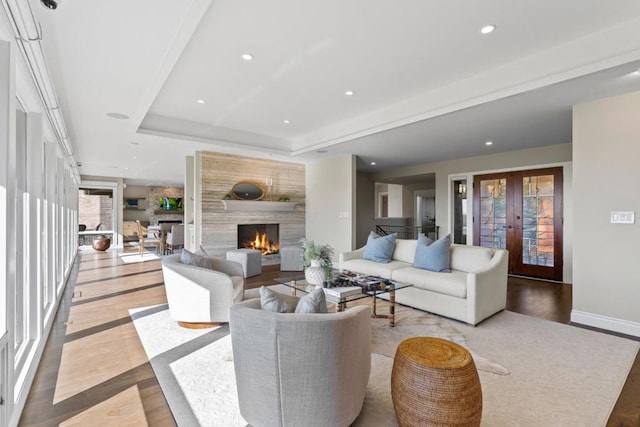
x=190 y=23
x=204 y=144
x=555 y=65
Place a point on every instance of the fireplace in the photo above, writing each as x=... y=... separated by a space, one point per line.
x=264 y=237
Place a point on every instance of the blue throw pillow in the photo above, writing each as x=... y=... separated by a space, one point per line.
x=380 y=249
x=424 y=240
x=434 y=256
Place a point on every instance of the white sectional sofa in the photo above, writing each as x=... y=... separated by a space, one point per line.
x=475 y=288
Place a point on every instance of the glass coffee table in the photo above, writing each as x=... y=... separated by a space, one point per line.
x=299 y=284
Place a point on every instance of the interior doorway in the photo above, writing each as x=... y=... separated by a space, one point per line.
x=460 y=211
x=521 y=211
x=425 y=213
x=383 y=205
x=97 y=212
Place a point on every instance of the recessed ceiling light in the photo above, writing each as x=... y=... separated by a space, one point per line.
x=201 y=101
x=487 y=29
x=118 y=116
x=488 y=143
x=373 y=163
x=247 y=57
x=286 y=122
x=349 y=92
x=134 y=157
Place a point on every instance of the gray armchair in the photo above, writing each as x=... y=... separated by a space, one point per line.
x=199 y=295
x=300 y=369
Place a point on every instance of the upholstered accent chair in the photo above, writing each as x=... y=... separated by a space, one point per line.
x=198 y=296
x=312 y=369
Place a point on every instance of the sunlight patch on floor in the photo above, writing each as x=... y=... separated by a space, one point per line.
x=123 y=409
x=92 y=360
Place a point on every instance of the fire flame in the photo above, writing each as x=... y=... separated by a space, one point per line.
x=261 y=242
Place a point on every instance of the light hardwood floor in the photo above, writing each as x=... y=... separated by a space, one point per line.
x=94 y=370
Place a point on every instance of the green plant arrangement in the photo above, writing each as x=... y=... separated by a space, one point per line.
x=284 y=198
x=227 y=196
x=320 y=253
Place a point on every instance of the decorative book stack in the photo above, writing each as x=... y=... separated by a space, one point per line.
x=338 y=293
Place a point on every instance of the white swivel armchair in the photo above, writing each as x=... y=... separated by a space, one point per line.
x=312 y=369
x=199 y=297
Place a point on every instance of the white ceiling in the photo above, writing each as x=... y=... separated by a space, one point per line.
x=428 y=86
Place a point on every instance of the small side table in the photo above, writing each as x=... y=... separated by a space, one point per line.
x=291 y=258
x=435 y=382
x=250 y=259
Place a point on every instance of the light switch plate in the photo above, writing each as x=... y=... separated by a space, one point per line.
x=623 y=217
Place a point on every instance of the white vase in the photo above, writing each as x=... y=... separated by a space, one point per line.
x=315 y=274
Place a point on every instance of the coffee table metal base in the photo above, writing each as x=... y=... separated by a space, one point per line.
x=341 y=305
x=295 y=285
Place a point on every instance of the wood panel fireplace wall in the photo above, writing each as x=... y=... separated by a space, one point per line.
x=220 y=172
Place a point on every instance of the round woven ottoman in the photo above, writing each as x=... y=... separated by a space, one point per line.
x=434 y=382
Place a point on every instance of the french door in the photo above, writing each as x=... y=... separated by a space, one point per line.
x=521 y=211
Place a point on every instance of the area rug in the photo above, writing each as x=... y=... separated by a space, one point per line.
x=129 y=258
x=534 y=372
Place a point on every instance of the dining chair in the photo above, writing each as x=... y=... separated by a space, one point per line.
x=175 y=238
x=142 y=239
x=165 y=229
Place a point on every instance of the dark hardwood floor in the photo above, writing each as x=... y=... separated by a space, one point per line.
x=94 y=370
x=547 y=300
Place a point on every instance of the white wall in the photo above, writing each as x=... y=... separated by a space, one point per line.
x=606 y=172
x=365 y=208
x=395 y=200
x=330 y=202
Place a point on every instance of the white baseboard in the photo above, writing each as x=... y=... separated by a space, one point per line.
x=605 y=322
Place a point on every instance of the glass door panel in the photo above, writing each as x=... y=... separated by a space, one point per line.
x=522 y=212
x=537 y=219
x=493 y=213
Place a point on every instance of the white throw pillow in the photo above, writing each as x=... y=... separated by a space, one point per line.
x=313 y=302
x=273 y=301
